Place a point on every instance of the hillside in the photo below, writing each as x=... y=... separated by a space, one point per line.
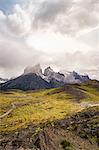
x=26 y=82
x=62 y=119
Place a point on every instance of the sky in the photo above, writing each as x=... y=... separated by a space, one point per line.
x=63 y=34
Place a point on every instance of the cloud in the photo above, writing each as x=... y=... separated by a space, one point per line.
x=86 y=63
x=19 y=22
x=64 y=16
x=49 y=10
x=68 y=16
x=21 y=19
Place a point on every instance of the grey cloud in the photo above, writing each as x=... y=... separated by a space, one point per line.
x=79 y=61
x=68 y=16
x=91 y=38
x=49 y=10
x=15 y=55
x=64 y=16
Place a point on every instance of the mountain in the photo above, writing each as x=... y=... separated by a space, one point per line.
x=50 y=75
x=33 y=78
x=3 y=80
x=26 y=82
x=74 y=77
x=64 y=76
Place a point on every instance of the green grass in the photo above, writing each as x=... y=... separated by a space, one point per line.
x=92 y=94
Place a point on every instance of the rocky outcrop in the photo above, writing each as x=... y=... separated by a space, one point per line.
x=52 y=75
x=48 y=71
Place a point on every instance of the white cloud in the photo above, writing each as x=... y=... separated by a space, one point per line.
x=60 y=33
x=20 y=21
x=50 y=43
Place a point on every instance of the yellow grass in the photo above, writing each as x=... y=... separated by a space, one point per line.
x=34 y=107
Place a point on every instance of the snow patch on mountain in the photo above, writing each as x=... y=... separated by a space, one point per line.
x=50 y=75
x=3 y=80
x=62 y=76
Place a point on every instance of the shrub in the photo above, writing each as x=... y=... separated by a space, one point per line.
x=66 y=145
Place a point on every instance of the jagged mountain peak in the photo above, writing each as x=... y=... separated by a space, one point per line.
x=49 y=68
x=48 y=71
x=33 y=78
x=74 y=72
x=62 y=76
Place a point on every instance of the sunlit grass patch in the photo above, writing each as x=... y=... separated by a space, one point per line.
x=92 y=94
x=41 y=106
x=35 y=107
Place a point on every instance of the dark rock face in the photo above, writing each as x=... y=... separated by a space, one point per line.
x=52 y=76
x=85 y=78
x=26 y=82
x=48 y=71
x=55 y=84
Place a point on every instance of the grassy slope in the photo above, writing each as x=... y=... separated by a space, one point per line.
x=41 y=106
x=35 y=107
x=91 y=92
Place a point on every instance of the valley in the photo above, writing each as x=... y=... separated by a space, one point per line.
x=49 y=75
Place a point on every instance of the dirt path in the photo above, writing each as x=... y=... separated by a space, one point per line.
x=8 y=112
x=88 y=104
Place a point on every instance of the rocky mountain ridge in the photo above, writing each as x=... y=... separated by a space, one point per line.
x=62 y=76
x=33 y=78
x=26 y=82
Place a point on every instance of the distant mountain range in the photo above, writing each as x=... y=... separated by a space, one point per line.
x=33 y=78
x=62 y=76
